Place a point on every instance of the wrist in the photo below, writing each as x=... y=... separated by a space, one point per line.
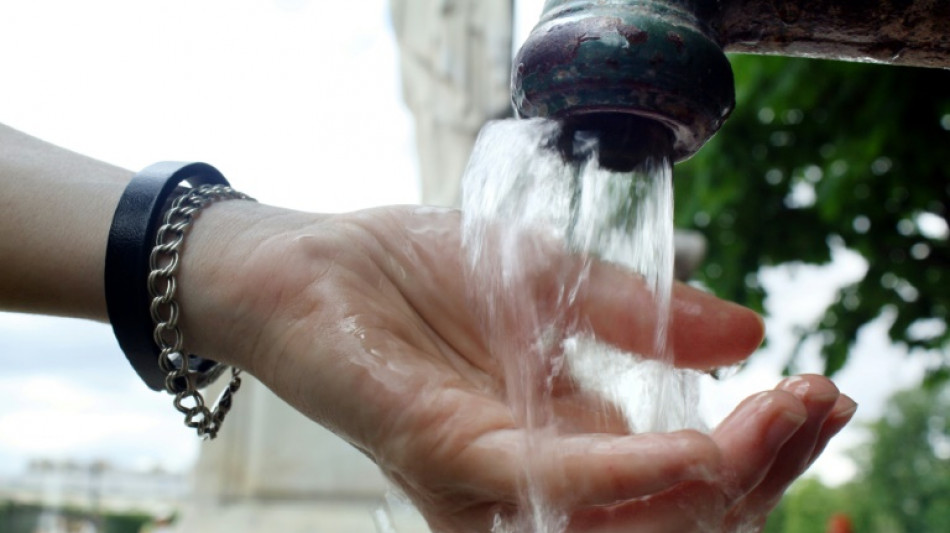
x=228 y=285
x=153 y=266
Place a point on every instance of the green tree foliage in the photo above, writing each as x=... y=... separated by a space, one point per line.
x=806 y=508
x=824 y=153
x=18 y=517
x=907 y=465
x=810 y=506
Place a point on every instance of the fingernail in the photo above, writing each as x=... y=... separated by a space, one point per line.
x=804 y=389
x=847 y=408
x=796 y=385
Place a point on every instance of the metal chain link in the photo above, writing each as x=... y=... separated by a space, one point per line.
x=180 y=379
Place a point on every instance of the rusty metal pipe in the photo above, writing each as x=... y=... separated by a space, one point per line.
x=593 y=62
x=899 y=32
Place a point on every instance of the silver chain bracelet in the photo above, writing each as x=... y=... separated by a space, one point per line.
x=180 y=379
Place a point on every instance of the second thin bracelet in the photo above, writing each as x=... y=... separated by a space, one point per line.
x=180 y=377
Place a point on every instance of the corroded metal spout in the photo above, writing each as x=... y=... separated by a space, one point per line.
x=591 y=63
x=654 y=60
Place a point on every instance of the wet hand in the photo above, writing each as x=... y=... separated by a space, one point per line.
x=363 y=323
x=763 y=446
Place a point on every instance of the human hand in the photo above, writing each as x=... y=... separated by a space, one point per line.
x=361 y=321
x=764 y=445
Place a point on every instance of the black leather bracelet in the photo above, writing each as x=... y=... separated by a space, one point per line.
x=131 y=239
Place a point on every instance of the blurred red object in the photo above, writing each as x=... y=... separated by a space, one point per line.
x=839 y=523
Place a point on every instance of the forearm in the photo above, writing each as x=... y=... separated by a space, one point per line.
x=56 y=207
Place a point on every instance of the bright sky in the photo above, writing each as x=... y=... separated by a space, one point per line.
x=298 y=103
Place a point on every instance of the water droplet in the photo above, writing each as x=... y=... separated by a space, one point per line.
x=766 y=115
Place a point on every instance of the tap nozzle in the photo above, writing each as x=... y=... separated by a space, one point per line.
x=623 y=141
x=597 y=61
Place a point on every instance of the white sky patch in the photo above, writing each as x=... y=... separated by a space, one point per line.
x=932 y=226
x=46 y=392
x=56 y=417
x=297 y=102
x=299 y=107
x=527 y=13
x=797 y=296
x=801 y=196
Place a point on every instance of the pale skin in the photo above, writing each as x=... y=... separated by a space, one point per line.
x=361 y=322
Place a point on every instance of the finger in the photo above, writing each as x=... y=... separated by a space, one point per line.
x=749 y=439
x=819 y=396
x=708 y=332
x=705 y=331
x=752 y=437
x=587 y=470
x=841 y=414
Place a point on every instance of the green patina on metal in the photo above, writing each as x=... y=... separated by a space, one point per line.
x=617 y=66
x=653 y=60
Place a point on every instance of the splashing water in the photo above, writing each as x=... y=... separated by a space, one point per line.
x=523 y=203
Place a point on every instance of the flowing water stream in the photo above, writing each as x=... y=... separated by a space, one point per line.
x=524 y=204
